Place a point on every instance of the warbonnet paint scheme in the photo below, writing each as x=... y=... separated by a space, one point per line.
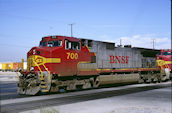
x=71 y=63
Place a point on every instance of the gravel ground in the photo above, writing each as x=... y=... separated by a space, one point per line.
x=152 y=101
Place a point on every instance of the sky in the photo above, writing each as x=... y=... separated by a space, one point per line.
x=136 y=22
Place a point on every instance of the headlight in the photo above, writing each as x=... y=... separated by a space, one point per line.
x=34 y=51
x=32 y=68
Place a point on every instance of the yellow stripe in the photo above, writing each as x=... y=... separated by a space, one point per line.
x=53 y=60
x=112 y=69
x=90 y=51
x=103 y=69
x=88 y=48
x=162 y=62
x=135 y=68
x=41 y=60
x=87 y=69
x=83 y=62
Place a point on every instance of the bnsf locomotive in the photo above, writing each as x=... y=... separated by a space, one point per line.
x=71 y=63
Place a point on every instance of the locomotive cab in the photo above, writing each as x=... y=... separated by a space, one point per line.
x=56 y=57
x=39 y=55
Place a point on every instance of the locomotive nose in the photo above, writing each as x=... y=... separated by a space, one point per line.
x=34 y=51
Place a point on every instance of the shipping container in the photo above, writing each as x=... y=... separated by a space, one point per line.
x=15 y=66
x=6 y=66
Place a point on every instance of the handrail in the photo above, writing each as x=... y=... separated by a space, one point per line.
x=39 y=69
x=47 y=71
x=38 y=63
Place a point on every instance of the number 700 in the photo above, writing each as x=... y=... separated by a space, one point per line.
x=72 y=56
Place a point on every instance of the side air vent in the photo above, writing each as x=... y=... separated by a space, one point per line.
x=93 y=59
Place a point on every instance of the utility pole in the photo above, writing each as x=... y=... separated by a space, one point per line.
x=71 y=29
x=120 y=42
x=153 y=42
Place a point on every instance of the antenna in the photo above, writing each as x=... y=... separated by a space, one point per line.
x=71 y=29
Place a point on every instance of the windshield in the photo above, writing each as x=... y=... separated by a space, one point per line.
x=167 y=53
x=42 y=44
x=54 y=43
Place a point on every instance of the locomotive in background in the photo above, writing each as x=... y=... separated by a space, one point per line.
x=71 y=63
x=164 y=62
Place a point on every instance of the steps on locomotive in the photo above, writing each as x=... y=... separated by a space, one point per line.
x=44 y=85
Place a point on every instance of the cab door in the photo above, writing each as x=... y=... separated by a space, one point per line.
x=71 y=55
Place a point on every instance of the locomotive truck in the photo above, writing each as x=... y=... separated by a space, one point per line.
x=69 y=63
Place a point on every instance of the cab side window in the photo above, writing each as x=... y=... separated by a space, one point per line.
x=67 y=44
x=72 y=45
x=83 y=41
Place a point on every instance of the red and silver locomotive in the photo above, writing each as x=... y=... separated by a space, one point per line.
x=71 y=63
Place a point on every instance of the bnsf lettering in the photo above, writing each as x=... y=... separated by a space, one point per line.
x=119 y=59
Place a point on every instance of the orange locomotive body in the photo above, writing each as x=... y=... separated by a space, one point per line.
x=69 y=63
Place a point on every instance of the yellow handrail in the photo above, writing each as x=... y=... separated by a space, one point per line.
x=39 y=70
x=22 y=64
x=48 y=71
x=36 y=60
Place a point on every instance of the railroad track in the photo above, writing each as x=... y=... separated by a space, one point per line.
x=8 y=90
x=30 y=103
